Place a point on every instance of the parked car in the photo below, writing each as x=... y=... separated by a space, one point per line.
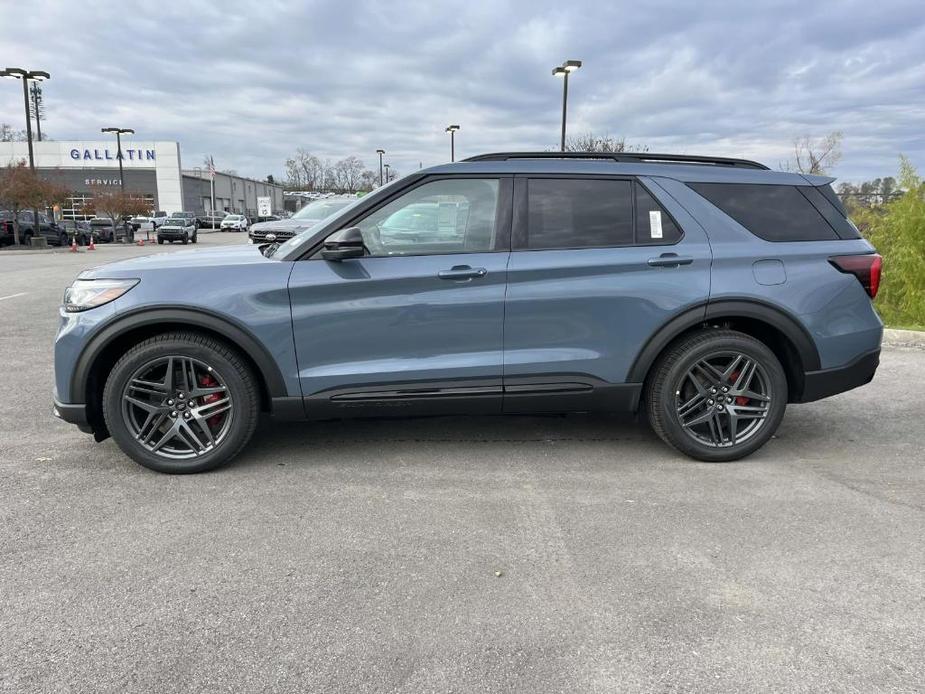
x=81 y=231
x=707 y=292
x=181 y=229
x=184 y=215
x=154 y=220
x=7 y=236
x=234 y=222
x=47 y=227
x=109 y=231
x=282 y=229
x=211 y=220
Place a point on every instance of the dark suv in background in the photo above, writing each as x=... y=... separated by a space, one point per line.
x=706 y=292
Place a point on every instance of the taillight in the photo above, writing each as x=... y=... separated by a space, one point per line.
x=865 y=267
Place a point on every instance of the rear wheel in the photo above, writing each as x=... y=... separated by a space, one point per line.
x=716 y=395
x=181 y=403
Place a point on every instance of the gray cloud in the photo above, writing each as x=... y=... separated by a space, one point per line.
x=250 y=82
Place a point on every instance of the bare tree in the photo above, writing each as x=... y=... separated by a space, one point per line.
x=816 y=156
x=22 y=189
x=589 y=142
x=116 y=206
x=7 y=134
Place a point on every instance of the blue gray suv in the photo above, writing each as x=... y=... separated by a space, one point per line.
x=707 y=293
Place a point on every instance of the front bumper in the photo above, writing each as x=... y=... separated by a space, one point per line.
x=73 y=414
x=827 y=382
x=171 y=234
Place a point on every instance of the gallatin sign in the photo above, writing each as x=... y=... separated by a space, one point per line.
x=104 y=154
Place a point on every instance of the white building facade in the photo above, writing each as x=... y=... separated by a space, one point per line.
x=152 y=170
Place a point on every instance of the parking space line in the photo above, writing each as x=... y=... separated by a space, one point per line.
x=12 y=296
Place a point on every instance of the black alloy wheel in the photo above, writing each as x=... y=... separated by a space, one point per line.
x=716 y=395
x=181 y=402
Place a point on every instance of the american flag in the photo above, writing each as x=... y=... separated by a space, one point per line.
x=211 y=167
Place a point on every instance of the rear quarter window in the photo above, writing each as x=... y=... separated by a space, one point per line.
x=770 y=212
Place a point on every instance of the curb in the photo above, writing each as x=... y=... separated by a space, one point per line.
x=904 y=338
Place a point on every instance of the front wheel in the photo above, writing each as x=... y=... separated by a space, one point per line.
x=716 y=395
x=181 y=403
x=185 y=238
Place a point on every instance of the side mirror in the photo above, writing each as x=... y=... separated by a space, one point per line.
x=348 y=244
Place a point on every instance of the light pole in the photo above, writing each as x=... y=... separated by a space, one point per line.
x=119 y=132
x=563 y=72
x=380 y=152
x=451 y=129
x=386 y=172
x=17 y=73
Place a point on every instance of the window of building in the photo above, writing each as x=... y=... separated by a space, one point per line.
x=770 y=212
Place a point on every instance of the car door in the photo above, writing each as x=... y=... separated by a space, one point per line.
x=598 y=265
x=415 y=325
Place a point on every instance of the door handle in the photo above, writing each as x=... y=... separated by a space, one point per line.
x=670 y=260
x=462 y=272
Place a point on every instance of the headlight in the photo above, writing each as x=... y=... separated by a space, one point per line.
x=86 y=294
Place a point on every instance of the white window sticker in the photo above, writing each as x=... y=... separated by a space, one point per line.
x=655 y=224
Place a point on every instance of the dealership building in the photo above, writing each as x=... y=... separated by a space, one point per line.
x=152 y=171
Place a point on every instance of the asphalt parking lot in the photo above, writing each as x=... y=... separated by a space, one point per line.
x=365 y=556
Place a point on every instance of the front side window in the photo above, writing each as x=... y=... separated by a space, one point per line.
x=451 y=216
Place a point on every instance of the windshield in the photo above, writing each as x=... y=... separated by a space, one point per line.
x=232 y=218
x=318 y=210
x=301 y=236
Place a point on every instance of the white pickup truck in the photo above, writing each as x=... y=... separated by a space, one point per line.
x=156 y=219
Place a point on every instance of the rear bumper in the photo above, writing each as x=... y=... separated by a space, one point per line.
x=73 y=414
x=826 y=382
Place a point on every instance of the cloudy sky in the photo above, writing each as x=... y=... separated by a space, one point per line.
x=249 y=82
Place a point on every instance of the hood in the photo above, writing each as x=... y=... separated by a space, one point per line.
x=211 y=257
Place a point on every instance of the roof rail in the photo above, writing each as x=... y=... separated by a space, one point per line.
x=634 y=157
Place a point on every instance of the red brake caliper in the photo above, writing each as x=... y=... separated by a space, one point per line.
x=208 y=381
x=740 y=399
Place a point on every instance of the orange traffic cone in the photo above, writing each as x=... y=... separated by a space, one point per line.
x=91 y=246
x=141 y=242
x=74 y=244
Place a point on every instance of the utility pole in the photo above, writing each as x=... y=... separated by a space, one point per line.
x=37 y=108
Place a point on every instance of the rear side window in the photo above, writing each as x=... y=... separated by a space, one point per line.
x=589 y=213
x=653 y=225
x=770 y=212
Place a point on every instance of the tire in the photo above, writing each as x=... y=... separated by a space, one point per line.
x=671 y=395
x=195 y=237
x=160 y=240
x=210 y=358
x=63 y=240
x=26 y=239
x=185 y=238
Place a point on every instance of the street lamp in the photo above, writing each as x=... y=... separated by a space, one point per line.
x=451 y=129
x=380 y=152
x=17 y=73
x=563 y=72
x=386 y=172
x=119 y=132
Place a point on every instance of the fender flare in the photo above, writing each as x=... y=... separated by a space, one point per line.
x=194 y=318
x=742 y=308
